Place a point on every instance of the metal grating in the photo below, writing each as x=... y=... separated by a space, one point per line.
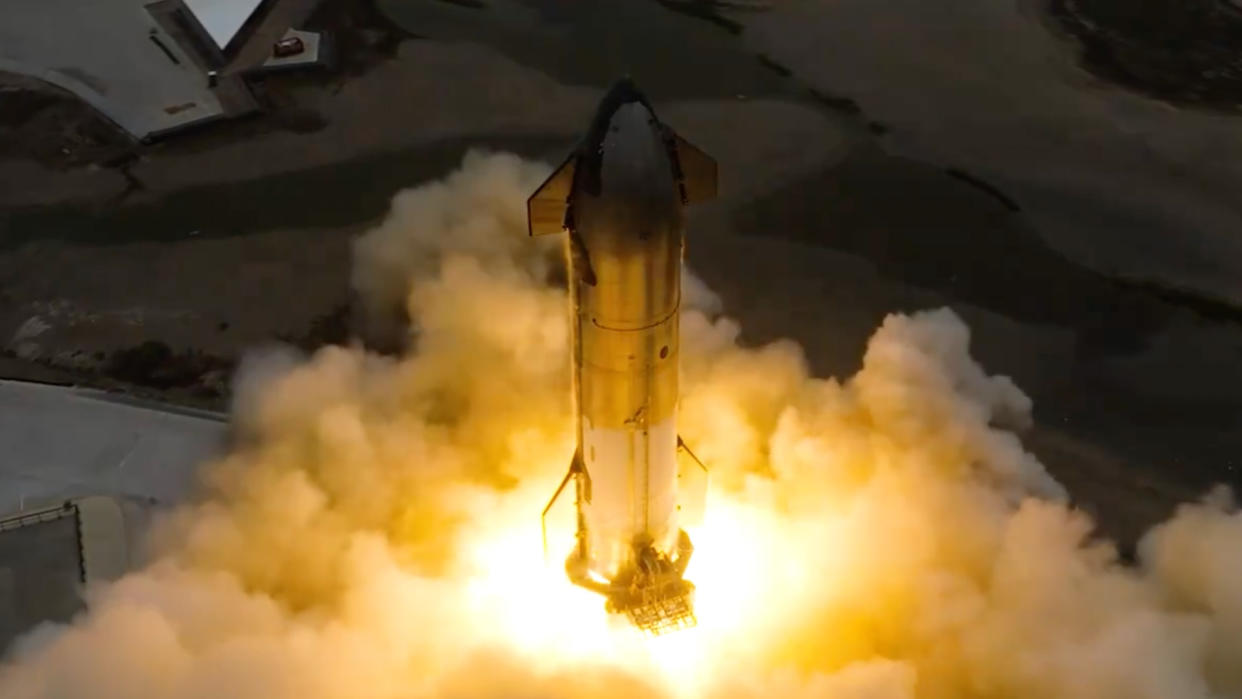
x=663 y=615
x=659 y=609
x=50 y=514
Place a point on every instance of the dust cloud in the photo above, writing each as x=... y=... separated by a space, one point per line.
x=375 y=532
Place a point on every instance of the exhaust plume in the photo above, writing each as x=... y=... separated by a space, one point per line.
x=375 y=533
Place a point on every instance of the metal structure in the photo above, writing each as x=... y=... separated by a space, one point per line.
x=47 y=556
x=620 y=197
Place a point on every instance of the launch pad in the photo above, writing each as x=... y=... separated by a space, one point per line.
x=653 y=594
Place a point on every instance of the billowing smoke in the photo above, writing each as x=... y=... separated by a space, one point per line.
x=375 y=533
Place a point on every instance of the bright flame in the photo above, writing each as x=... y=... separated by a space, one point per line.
x=748 y=569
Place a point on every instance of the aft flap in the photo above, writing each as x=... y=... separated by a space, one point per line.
x=691 y=486
x=698 y=172
x=575 y=469
x=545 y=209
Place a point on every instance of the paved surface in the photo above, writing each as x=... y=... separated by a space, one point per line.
x=275 y=22
x=102 y=52
x=309 y=55
x=61 y=442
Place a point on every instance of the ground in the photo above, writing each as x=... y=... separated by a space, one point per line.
x=1184 y=51
x=872 y=160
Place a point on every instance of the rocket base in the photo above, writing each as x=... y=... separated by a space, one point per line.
x=652 y=594
x=656 y=610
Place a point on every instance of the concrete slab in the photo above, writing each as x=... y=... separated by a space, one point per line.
x=309 y=57
x=113 y=55
x=59 y=442
x=272 y=24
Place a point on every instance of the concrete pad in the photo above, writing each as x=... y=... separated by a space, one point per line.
x=113 y=55
x=309 y=57
x=63 y=442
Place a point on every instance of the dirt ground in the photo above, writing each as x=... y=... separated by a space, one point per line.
x=1185 y=51
x=48 y=125
x=151 y=271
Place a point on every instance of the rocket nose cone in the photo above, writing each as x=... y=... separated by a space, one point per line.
x=625 y=113
x=622 y=92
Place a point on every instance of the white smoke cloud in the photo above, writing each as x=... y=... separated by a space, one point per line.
x=477 y=212
x=375 y=533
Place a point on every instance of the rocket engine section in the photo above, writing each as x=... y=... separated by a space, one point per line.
x=620 y=197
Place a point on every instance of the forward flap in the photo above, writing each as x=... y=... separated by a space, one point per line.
x=691 y=486
x=698 y=172
x=545 y=209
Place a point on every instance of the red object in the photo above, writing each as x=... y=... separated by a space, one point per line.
x=288 y=47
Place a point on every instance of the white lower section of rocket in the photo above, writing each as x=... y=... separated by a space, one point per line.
x=633 y=476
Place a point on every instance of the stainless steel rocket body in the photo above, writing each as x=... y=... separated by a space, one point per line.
x=623 y=192
x=625 y=269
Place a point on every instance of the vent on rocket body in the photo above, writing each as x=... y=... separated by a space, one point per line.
x=620 y=196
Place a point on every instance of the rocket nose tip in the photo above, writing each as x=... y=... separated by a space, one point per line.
x=624 y=91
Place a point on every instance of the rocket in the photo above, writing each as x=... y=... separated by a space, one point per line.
x=620 y=198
